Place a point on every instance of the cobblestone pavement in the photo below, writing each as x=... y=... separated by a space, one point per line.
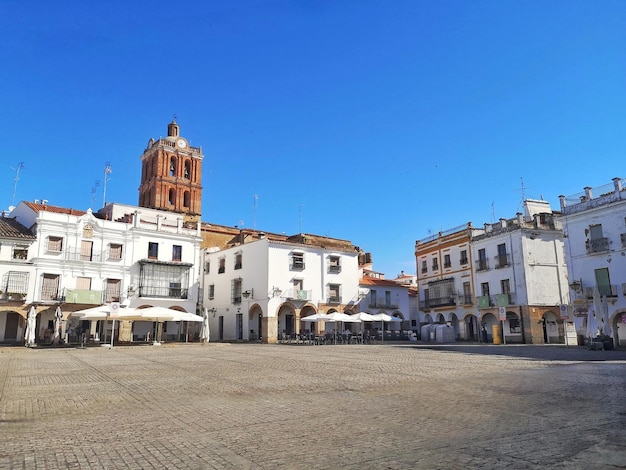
x=254 y=406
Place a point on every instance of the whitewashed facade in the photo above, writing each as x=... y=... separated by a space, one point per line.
x=520 y=275
x=595 y=224
x=261 y=289
x=136 y=256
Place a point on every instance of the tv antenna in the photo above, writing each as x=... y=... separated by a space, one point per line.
x=300 y=218
x=255 y=198
x=107 y=172
x=94 y=190
x=523 y=190
x=20 y=165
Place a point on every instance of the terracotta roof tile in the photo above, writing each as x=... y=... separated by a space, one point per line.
x=372 y=281
x=37 y=207
x=11 y=228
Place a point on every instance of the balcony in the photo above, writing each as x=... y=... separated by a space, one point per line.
x=334 y=299
x=382 y=304
x=334 y=269
x=484 y=301
x=466 y=299
x=298 y=294
x=95 y=257
x=502 y=261
x=447 y=301
x=504 y=300
x=597 y=245
x=297 y=265
x=604 y=291
x=83 y=296
x=482 y=264
x=163 y=292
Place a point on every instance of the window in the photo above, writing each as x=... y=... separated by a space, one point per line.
x=435 y=263
x=334 y=264
x=54 y=244
x=207 y=267
x=50 y=287
x=373 y=298
x=238 y=260
x=467 y=293
x=20 y=252
x=334 y=293
x=186 y=199
x=211 y=291
x=171 y=199
x=297 y=261
x=464 y=257
x=514 y=323
x=236 y=290
x=115 y=251
x=187 y=169
x=86 y=250
x=222 y=267
x=153 y=250
x=424 y=266
x=505 y=286
x=446 y=261
x=15 y=282
x=603 y=282
x=484 y=287
x=175 y=290
x=177 y=252
x=113 y=290
x=163 y=279
x=502 y=258
x=83 y=283
x=481 y=263
x=596 y=242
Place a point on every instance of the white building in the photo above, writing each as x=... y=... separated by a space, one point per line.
x=137 y=256
x=15 y=273
x=595 y=225
x=260 y=289
x=520 y=276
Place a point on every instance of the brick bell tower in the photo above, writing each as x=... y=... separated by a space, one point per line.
x=171 y=175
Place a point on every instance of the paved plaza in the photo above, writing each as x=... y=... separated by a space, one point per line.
x=241 y=406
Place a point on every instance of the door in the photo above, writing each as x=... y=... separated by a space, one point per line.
x=603 y=281
x=10 y=329
x=220 y=328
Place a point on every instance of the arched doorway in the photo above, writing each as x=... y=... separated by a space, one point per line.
x=454 y=323
x=286 y=321
x=255 y=322
x=551 y=333
x=307 y=327
x=489 y=320
x=12 y=326
x=471 y=327
x=513 y=328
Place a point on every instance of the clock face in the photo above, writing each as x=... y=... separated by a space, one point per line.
x=181 y=143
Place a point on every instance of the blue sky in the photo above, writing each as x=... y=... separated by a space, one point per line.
x=379 y=122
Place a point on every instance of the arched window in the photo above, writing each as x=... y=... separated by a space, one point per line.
x=173 y=166
x=187 y=169
x=172 y=197
x=186 y=199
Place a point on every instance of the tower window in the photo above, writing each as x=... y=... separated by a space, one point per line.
x=172 y=166
x=186 y=199
x=187 y=169
x=172 y=197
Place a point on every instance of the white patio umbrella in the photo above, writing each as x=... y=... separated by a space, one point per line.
x=605 y=327
x=58 y=316
x=593 y=315
x=31 y=326
x=205 y=334
x=363 y=317
x=315 y=318
x=384 y=317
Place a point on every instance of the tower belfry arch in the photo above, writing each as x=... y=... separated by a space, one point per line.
x=171 y=175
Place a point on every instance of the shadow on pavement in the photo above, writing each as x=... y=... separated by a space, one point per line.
x=547 y=352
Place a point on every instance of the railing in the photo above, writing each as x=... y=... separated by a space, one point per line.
x=83 y=296
x=334 y=269
x=434 y=302
x=466 y=299
x=482 y=264
x=603 y=290
x=597 y=245
x=484 y=301
x=464 y=260
x=297 y=265
x=502 y=261
x=163 y=292
x=298 y=294
x=334 y=299
x=382 y=304
x=78 y=256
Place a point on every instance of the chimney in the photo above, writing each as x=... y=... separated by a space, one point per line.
x=617 y=182
x=588 y=194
